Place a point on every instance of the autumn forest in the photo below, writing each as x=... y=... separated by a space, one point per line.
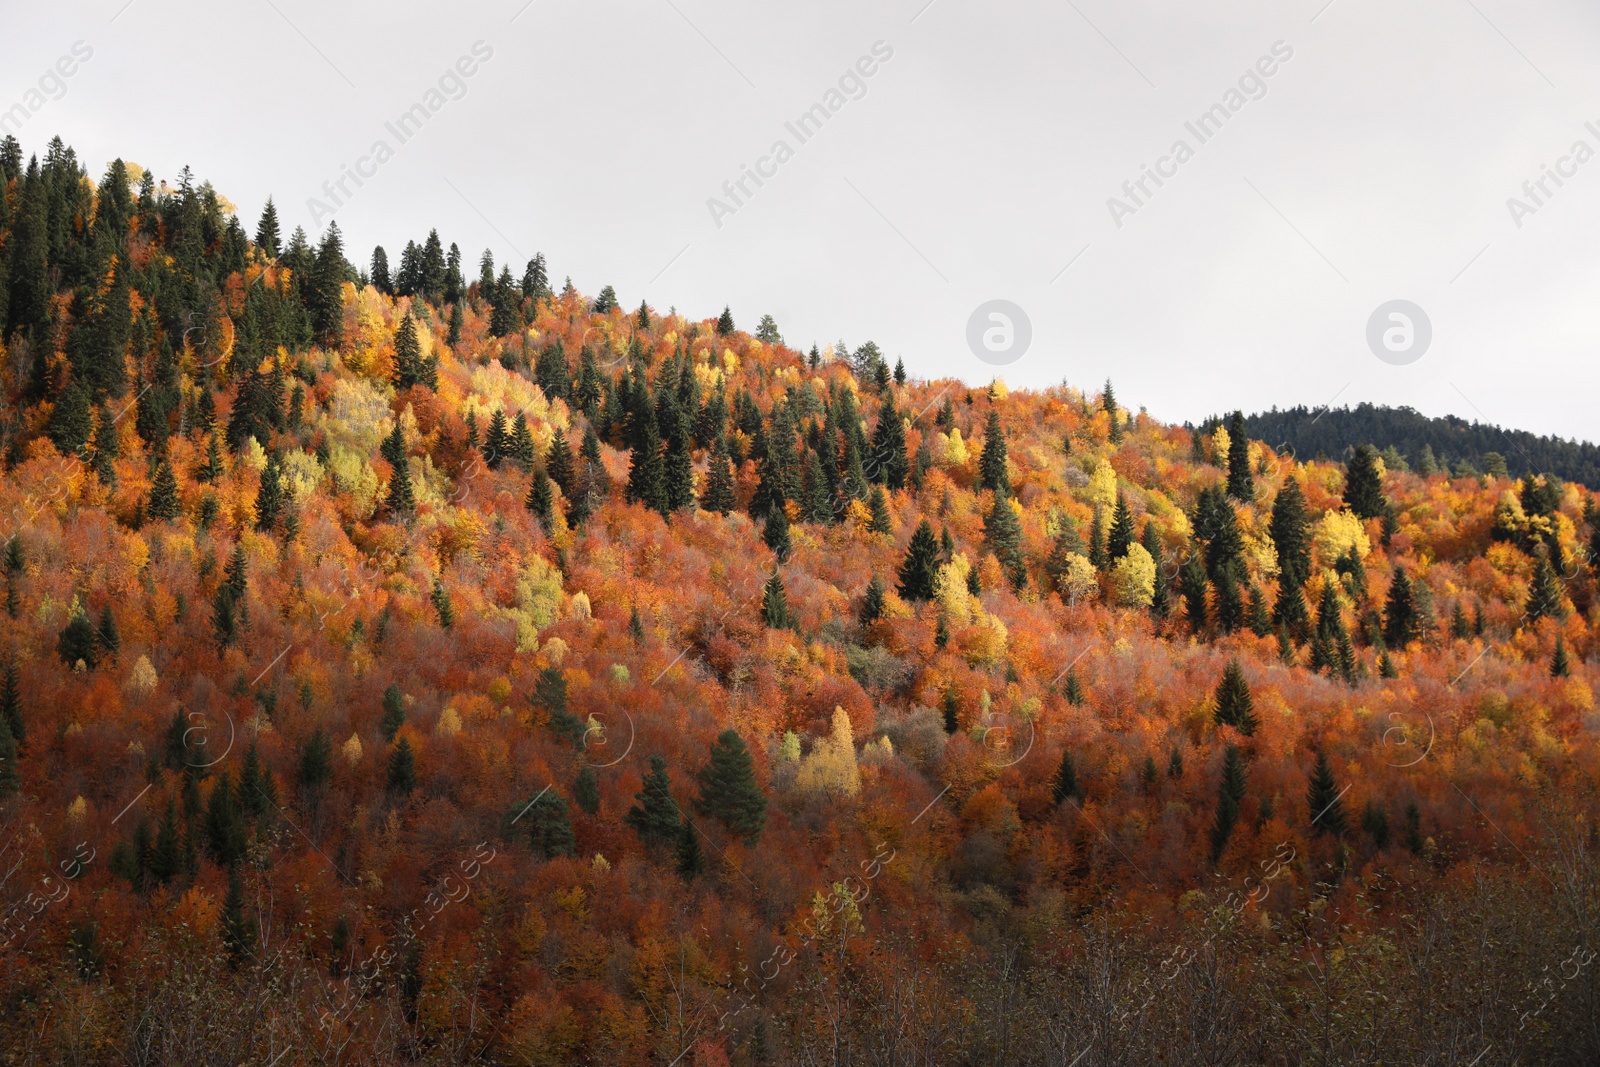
x=413 y=660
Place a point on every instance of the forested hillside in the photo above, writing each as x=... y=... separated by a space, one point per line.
x=1447 y=445
x=411 y=663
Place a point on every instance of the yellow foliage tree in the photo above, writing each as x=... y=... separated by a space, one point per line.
x=955 y=449
x=1103 y=486
x=831 y=766
x=1134 y=578
x=1078 y=581
x=1338 y=532
x=950 y=589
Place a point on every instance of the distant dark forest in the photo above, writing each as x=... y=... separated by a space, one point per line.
x=1425 y=443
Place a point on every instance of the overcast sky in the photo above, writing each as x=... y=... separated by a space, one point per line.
x=976 y=162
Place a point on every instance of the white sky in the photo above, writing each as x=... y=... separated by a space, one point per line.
x=978 y=164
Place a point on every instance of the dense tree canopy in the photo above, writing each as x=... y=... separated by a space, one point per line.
x=363 y=637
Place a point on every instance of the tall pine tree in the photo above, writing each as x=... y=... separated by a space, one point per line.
x=728 y=789
x=920 y=567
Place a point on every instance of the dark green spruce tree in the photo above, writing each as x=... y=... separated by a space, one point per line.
x=1235 y=706
x=1323 y=800
x=1065 y=783
x=1230 y=795
x=775 y=604
x=718 y=495
x=1363 y=487
x=920 y=567
x=1241 y=485
x=728 y=789
x=992 y=470
x=654 y=815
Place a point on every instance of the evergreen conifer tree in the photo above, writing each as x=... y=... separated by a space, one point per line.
x=558 y=462
x=106 y=635
x=872 y=602
x=1066 y=544
x=522 y=448
x=316 y=762
x=258 y=794
x=322 y=291
x=775 y=604
x=442 y=605
x=163 y=494
x=728 y=789
x=647 y=469
x=11 y=702
x=497 y=442
x=267 y=240
x=379 y=272
x=225 y=828
x=1065 y=783
x=77 y=642
x=536 y=280
x=1003 y=531
x=1229 y=605
x=550 y=371
x=72 y=421
x=1230 y=795
x=401 y=777
x=586 y=791
x=921 y=564
x=408 y=369
x=691 y=863
x=1290 y=529
x=1400 y=621
x=1160 y=600
x=269 y=497
x=1097 y=542
x=816 y=502
x=1289 y=611
x=238 y=935
x=548 y=826
x=1235 y=706
x=401 y=501
x=1074 y=689
x=1544 y=592
x=678 y=465
x=14 y=563
x=1560 y=665
x=1121 y=536
x=1323 y=802
x=1192 y=587
x=718 y=495
x=878 y=507
x=541 y=501
x=1363 y=487
x=775 y=532
x=654 y=816
x=889 y=446
x=10 y=770
x=992 y=471
x=394 y=712
x=1241 y=485
x=1256 y=611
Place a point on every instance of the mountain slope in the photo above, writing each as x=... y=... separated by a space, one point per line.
x=408 y=668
